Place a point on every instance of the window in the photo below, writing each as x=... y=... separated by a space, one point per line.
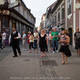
x=69 y=6
x=59 y=17
x=63 y=13
x=55 y=20
x=5 y=21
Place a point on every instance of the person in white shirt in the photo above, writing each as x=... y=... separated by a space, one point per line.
x=24 y=40
x=36 y=40
x=3 y=39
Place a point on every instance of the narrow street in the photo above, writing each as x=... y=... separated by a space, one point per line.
x=4 y=53
x=30 y=66
x=51 y=26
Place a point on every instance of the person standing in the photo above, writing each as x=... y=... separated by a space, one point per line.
x=0 y=40
x=31 y=41
x=50 y=40
x=54 y=35
x=64 y=49
x=3 y=38
x=14 y=42
x=36 y=36
x=28 y=35
x=43 y=41
x=24 y=40
x=77 y=40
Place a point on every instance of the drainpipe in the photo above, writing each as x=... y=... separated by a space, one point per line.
x=79 y=19
x=66 y=27
x=74 y=20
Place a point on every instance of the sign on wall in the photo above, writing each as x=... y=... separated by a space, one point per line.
x=5 y=12
x=2 y=2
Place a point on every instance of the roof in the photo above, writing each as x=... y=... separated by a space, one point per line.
x=27 y=9
x=52 y=7
x=56 y=5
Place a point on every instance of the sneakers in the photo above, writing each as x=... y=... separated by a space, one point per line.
x=57 y=51
x=15 y=56
x=53 y=52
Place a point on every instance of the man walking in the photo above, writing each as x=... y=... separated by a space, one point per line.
x=77 y=40
x=14 y=42
x=54 y=35
x=3 y=38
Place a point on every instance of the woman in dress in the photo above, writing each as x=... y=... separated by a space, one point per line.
x=64 y=49
x=43 y=41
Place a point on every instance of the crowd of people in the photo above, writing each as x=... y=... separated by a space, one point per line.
x=3 y=39
x=43 y=41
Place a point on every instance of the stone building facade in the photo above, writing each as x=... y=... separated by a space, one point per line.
x=19 y=17
x=64 y=14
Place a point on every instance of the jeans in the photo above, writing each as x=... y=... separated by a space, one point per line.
x=35 y=44
x=0 y=45
x=16 y=48
x=55 y=45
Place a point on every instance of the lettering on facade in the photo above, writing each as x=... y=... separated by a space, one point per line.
x=5 y=12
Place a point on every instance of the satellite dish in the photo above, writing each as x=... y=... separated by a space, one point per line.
x=13 y=3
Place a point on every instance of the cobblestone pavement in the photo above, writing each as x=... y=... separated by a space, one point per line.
x=30 y=66
x=4 y=53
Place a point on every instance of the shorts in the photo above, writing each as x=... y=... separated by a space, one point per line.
x=30 y=45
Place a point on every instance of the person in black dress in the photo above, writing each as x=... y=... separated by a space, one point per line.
x=77 y=41
x=43 y=42
x=64 y=49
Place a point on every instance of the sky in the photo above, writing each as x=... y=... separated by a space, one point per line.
x=38 y=8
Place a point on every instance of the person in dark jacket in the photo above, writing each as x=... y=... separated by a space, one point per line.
x=0 y=40
x=77 y=41
x=14 y=42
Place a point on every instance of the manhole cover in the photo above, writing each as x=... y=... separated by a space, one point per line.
x=26 y=60
x=49 y=63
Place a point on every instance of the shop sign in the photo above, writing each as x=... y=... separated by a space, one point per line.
x=5 y=12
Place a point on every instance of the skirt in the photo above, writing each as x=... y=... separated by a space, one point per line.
x=65 y=49
x=77 y=45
